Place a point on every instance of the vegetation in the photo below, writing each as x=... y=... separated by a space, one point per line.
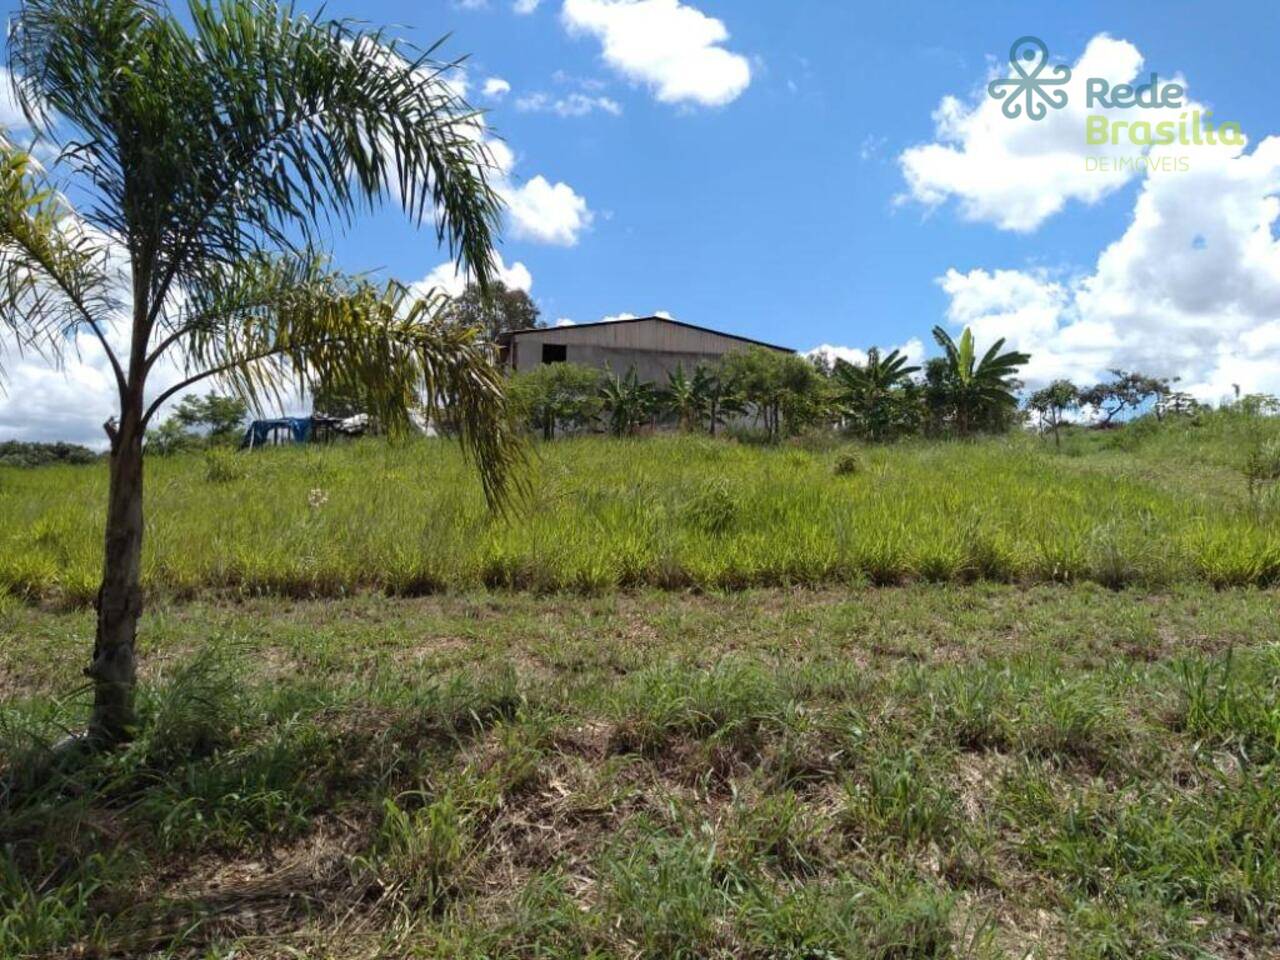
x=209 y=150
x=930 y=771
x=16 y=453
x=1051 y=405
x=198 y=422
x=1125 y=392
x=496 y=310
x=876 y=397
x=557 y=396
x=1148 y=503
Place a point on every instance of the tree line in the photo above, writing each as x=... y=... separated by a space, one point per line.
x=767 y=395
x=770 y=395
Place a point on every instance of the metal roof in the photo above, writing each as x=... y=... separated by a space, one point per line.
x=511 y=334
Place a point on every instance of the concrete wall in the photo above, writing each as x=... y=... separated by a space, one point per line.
x=653 y=347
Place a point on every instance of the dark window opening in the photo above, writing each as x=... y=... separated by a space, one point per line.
x=555 y=353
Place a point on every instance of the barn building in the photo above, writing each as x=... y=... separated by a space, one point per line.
x=655 y=346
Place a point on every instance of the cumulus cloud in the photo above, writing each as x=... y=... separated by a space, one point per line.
x=525 y=6
x=1016 y=173
x=913 y=349
x=495 y=88
x=547 y=213
x=673 y=48
x=537 y=210
x=450 y=280
x=1191 y=289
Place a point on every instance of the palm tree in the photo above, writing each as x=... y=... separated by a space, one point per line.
x=866 y=392
x=979 y=390
x=208 y=160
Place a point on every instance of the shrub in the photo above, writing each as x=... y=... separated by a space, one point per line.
x=847 y=464
x=1262 y=465
x=223 y=466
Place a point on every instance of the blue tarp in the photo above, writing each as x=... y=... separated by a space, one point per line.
x=260 y=431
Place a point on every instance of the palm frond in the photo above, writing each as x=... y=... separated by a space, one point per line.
x=56 y=273
x=272 y=323
x=255 y=128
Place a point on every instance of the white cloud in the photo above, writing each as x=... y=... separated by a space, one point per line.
x=1015 y=173
x=565 y=322
x=571 y=105
x=546 y=212
x=537 y=210
x=525 y=6
x=448 y=279
x=614 y=318
x=674 y=49
x=1190 y=290
x=496 y=88
x=11 y=116
x=913 y=349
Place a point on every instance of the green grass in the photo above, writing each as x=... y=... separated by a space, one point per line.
x=1144 y=505
x=927 y=771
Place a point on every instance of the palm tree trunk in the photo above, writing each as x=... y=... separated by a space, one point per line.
x=113 y=669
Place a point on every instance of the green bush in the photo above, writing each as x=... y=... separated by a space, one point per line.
x=223 y=466
x=847 y=464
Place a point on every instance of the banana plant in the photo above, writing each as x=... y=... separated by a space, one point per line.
x=866 y=393
x=629 y=401
x=980 y=389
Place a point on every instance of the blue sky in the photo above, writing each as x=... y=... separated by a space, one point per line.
x=793 y=172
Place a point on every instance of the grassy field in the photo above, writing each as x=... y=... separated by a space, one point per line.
x=695 y=699
x=1143 y=505
x=927 y=771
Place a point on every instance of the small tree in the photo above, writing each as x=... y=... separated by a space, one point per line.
x=1125 y=391
x=686 y=397
x=1052 y=403
x=630 y=402
x=871 y=396
x=780 y=388
x=208 y=150
x=723 y=396
x=979 y=392
x=557 y=395
x=218 y=417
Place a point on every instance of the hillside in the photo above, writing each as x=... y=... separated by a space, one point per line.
x=1147 y=505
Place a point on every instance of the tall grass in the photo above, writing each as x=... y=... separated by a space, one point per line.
x=1166 y=506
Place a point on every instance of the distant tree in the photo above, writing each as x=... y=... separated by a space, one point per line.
x=686 y=397
x=557 y=395
x=723 y=395
x=499 y=311
x=871 y=395
x=782 y=389
x=218 y=417
x=1052 y=403
x=18 y=453
x=980 y=392
x=1177 y=404
x=1259 y=405
x=629 y=401
x=1125 y=391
